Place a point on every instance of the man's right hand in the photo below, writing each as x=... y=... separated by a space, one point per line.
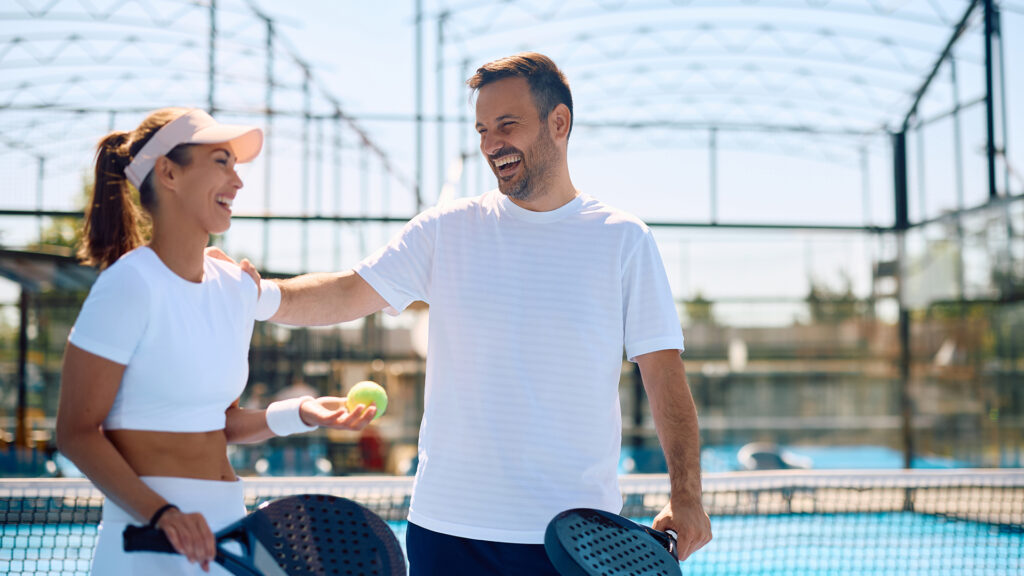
x=246 y=266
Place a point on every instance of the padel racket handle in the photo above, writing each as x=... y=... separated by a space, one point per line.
x=666 y=539
x=146 y=539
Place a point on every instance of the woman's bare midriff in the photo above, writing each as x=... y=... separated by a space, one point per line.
x=201 y=455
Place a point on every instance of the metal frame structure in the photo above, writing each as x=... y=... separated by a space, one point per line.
x=668 y=44
x=175 y=42
x=660 y=46
x=892 y=107
x=127 y=58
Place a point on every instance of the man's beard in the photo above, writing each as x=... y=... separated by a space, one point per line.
x=538 y=165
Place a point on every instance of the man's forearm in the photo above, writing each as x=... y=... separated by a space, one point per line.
x=322 y=299
x=675 y=418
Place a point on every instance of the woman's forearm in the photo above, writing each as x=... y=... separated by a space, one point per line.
x=246 y=426
x=89 y=385
x=100 y=461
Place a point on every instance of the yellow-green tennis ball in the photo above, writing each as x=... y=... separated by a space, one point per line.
x=367 y=393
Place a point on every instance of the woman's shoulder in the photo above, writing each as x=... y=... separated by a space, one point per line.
x=130 y=268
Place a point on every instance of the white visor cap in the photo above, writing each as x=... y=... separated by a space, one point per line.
x=194 y=127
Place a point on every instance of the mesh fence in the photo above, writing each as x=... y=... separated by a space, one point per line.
x=906 y=522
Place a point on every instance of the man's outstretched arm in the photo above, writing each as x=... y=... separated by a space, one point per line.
x=326 y=298
x=318 y=299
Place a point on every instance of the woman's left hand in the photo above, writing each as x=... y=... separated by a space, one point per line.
x=331 y=412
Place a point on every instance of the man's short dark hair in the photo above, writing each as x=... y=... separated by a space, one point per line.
x=548 y=85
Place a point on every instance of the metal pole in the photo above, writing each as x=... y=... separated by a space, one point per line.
x=873 y=296
x=990 y=108
x=364 y=192
x=902 y=224
x=958 y=31
x=439 y=55
x=40 y=174
x=212 y=58
x=906 y=403
x=268 y=141
x=337 y=191
x=21 y=418
x=922 y=190
x=713 y=172
x=997 y=28
x=997 y=36
x=958 y=168
x=305 y=166
x=319 y=167
x=385 y=196
x=899 y=166
x=958 y=171
x=958 y=155
x=364 y=179
x=419 y=105
x=865 y=177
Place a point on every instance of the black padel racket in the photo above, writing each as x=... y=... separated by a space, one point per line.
x=306 y=535
x=587 y=542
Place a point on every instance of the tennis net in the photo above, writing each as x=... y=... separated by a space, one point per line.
x=837 y=522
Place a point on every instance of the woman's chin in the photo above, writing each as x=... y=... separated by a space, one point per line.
x=220 y=228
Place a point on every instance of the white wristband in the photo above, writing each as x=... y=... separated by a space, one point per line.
x=283 y=417
x=270 y=300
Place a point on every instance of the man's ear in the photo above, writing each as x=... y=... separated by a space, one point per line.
x=559 y=121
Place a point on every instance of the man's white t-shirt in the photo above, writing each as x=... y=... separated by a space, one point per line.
x=529 y=316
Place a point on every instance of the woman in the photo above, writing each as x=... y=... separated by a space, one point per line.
x=158 y=357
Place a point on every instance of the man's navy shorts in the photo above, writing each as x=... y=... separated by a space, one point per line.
x=435 y=554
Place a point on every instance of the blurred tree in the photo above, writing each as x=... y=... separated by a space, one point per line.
x=830 y=306
x=700 y=310
x=62 y=235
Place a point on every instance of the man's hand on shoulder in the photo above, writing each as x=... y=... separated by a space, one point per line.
x=246 y=266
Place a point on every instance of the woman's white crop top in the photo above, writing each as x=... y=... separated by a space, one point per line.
x=185 y=345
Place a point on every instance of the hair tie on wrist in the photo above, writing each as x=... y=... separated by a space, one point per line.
x=159 y=513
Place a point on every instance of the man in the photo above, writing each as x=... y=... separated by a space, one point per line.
x=534 y=291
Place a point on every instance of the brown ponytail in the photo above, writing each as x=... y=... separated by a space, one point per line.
x=114 y=224
x=111 y=219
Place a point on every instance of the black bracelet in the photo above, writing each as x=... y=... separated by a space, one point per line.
x=160 y=512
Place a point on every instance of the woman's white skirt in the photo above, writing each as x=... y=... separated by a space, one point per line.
x=221 y=503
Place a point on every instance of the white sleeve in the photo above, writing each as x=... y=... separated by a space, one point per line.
x=649 y=311
x=114 y=316
x=401 y=271
x=269 y=301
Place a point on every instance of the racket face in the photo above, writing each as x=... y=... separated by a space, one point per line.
x=319 y=535
x=585 y=542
